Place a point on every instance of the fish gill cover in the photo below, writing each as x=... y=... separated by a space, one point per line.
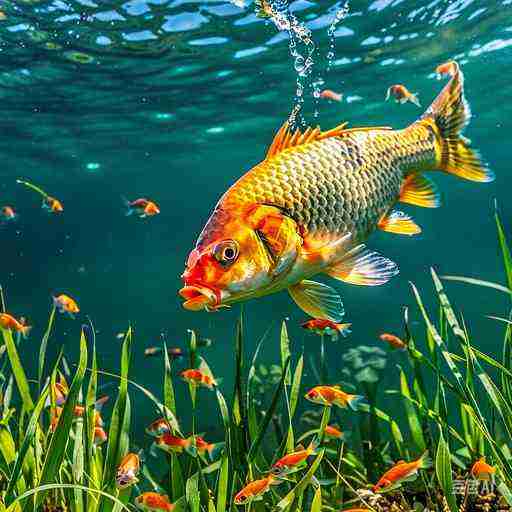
x=124 y=123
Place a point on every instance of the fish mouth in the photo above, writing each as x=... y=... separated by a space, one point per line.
x=198 y=298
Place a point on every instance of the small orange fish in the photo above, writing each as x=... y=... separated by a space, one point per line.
x=158 y=428
x=152 y=351
x=402 y=471
x=100 y=436
x=448 y=69
x=52 y=205
x=66 y=304
x=153 y=502
x=402 y=95
x=333 y=395
x=393 y=341
x=142 y=208
x=9 y=322
x=54 y=417
x=331 y=95
x=175 y=352
x=290 y=461
x=481 y=470
x=198 y=378
x=333 y=432
x=170 y=443
x=60 y=392
x=128 y=470
x=255 y=489
x=7 y=214
x=323 y=326
x=203 y=446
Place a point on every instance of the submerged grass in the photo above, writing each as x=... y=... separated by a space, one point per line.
x=61 y=454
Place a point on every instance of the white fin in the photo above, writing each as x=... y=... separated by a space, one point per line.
x=318 y=300
x=363 y=267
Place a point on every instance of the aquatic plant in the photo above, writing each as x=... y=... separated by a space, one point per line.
x=457 y=402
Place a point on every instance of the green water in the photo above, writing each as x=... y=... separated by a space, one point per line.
x=176 y=100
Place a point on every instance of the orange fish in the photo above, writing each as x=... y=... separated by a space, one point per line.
x=323 y=326
x=100 y=436
x=393 y=341
x=449 y=68
x=333 y=432
x=9 y=322
x=7 y=214
x=54 y=417
x=333 y=395
x=481 y=470
x=198 y=378
x=255 y=489
x=175 y=352
x=402 y=95
x=153 y=502
x=66 y=304
x=60 y=392
x=331 y=95
x=128 y=470
x=52 y=205
x=291 y=460
x=311 y=204
x=142 y=208
x=203 y=446
x=170 y=443
x=401 y=472
x=158 y=428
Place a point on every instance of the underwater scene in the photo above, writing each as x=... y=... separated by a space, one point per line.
x=255 y=255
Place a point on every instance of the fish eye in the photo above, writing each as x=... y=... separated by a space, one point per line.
x=226 y=252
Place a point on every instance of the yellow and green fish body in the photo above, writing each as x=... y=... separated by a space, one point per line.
x=317 y=196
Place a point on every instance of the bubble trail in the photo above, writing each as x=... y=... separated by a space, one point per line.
x=340 y=15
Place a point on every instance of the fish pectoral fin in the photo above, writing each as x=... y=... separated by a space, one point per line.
x=318 y=300
x=399 y=223
x=363 y=267
x=419 y=190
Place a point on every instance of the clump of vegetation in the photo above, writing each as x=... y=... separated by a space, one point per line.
x=57 y=451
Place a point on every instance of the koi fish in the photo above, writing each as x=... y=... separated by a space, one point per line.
x=100 y=436
x=170 y=443
x=128 y=470
x=52 y=205
x=333 y=395
x=402 y=95
x=143 y=208
x=7 y=214
x=449 y=68
x=255 y=489
x=290 y=461
x=333 y=432
x=311 y=204
x=10 y=323
x=327 y=94
x=393 y=341
x=481 y=470
x=158 y=428
x=153 y=502
x=198 y=378
x=65 y=304
x=323 y=326
x=402 y=472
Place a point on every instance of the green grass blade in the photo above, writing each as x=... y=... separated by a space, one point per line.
x=192 y=493
x=59 y=440
x=478 y=282
x=169 y=399
x=33 y=187
x=17 y=370
x=444 y=472
x=295 y=389
x=42 y=348
x=222 y=484
x=177 y=480
x=285 y=351
x=412 y=415
x=316 y=505
x=505 y=250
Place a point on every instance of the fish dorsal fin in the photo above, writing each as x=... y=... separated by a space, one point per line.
x=204 y=368
x=299 y=447
x=285 y=139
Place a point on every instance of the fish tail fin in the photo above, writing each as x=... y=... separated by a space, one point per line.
x=425 y=462
x=344 y=329
x=127 y=206
x=450 y=113
x=313 y=446
x=355 y=401
x=25 y=331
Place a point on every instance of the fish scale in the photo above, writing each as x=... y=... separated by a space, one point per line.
x=337 y=185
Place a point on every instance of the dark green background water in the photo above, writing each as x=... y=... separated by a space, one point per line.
x=178 y=100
